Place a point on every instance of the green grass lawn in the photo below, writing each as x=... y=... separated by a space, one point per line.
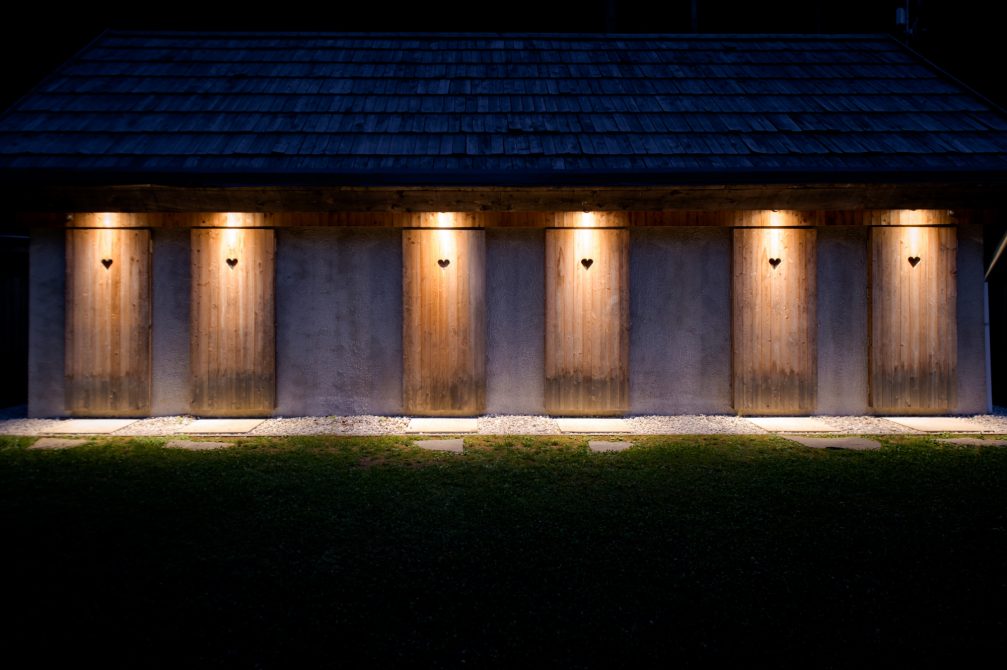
x=522 y=549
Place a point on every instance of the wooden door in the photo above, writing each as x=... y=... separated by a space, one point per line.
x=232 y=338
x=587 y=321
x=774 y=324
x=107 y=360
x=444 y=322
x=914 y=339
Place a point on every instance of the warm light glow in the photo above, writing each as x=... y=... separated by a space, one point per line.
x=586 y=243
x=912 y=217
x=774 y=234
x=445 y=219
x=913 y=236
x=232 y=235
x=447 y=246
x=106 y=242
x=109 y=220
x=588 y=220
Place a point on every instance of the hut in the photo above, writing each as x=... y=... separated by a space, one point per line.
x=259 y=224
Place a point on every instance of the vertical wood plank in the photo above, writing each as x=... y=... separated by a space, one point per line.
x=107 y=361
x=444 y=322
x=914 y=345
x=774 y=321
x=232 y=338
x=587 y=321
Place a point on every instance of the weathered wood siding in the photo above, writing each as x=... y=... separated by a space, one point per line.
x=913 y=349
x=620 y=218
x=587 y=321
x=232 y=338
x=444 y=322
x=774 y=342
x=107 y=322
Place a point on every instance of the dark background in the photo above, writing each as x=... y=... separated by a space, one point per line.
x=961 y=36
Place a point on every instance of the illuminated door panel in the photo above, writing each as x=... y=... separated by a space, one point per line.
x=232 y=338
x=587 y=321
x=444 y=315
x=914 y=343
x=774 y=323
x=107 y=360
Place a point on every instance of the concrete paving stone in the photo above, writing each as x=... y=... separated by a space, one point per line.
x=603 y=446
x=792 y=424
x=219 y=426
x=938 y=424
x=456 y=445
x=975 y=442
x=194 y=445
x=851 y=443
x=439 y=425
x=56 y=443
x=595 y=426
x=88 y=426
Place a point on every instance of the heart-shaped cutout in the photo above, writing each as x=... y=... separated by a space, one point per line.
x=232 y=261
x=107 y=262
x=444 y=262
x=587 y=262
x=775 y=261
x=913 y=260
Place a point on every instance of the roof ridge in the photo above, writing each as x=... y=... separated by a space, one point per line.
x=501 y=35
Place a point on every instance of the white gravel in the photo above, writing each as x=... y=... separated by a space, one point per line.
x=502 y=424
x=333 y=425
x=694 y=424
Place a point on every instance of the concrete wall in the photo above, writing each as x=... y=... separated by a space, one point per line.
x=972 y=396
x=515 y=321
x=46 y=334
x=680 y=320
x=339 y=321
x=842 y=320
x=170 y=390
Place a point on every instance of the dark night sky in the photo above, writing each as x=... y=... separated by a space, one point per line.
x=956 y=34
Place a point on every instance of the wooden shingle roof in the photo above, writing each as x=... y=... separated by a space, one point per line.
x=443 y=109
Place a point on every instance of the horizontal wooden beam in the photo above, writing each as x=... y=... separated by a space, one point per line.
x=736 y=218
x=158 y=198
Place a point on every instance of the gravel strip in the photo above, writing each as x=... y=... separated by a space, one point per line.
x=333 y=425
x=26 y=426
x=694 y=424
x=501 y=424
x=865 y=425
x=155 y=425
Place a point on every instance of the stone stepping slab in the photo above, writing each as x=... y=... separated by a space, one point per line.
x=219 y=426
x=792 y=424
x=975 y=442
x=595 y=426
x=88 y=426
x=439 y=425
x=602 y=446
x=938 y=424
x=57 y=443
x=194 y=445
x=456 y=445
x=851 y=443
